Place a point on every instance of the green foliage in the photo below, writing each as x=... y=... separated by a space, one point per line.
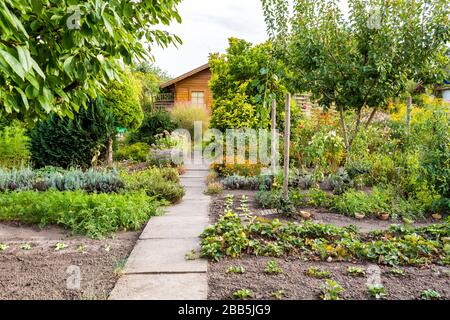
x=161 y=183
x=185 y=117
x=364 y=57
x=272 y=268
x=397 y=272
x=316 y=272
x=279 y=294
x=244 y=81
x=95 y=215
x=243 y=294
x=356 y=271
x=233 y=113
x=247 y=183
x=14 y=146
x=430 y=294
x=64 y=142
x=56 y=55
x=61 y=180
x=136 y=152
x=331 y=290
x=377 y=291
x=122 y=100
x=398 y=246
x=155 y=122
x=236 y=270
x=214 y=188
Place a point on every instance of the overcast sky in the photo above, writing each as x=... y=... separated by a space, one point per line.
x=206 y=26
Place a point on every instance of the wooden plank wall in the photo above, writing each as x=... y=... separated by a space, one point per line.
x=196 y=82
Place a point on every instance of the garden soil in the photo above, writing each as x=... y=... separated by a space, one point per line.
x=297 y=285
x=32 y=267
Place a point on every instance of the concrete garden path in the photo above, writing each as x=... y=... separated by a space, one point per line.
x=157 y=268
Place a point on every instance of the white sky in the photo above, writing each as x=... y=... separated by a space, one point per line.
x=206 y=27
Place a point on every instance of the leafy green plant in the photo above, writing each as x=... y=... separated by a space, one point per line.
x=272 y=268
x=3 y=247
x=279 y=294
x=185 y=117
x=377 y=291
x=316 y=272
x=243 y=294
x=60 y=246
x=162 y=183
x=14 y=146
x=105 y=181
x=236 y=270
x=120 y=267
x=246 y=183
x=430 y=294
x=192 y=255
x=214 y=188
x=331 y=290
x=136 y=152
x=154 y=123
x=96 y=215
x=26 y=247
x=397 y=272
x=356 y=271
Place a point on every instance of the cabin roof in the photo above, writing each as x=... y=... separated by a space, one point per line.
x=184 y=76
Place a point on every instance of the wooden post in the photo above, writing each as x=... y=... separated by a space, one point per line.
x=287 y=144
x=274 y=136
x=408 y=112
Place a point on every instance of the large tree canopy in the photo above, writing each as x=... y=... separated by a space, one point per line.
x=363 y=58
x=55 y=54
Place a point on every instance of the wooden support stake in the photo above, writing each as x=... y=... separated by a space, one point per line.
x=274 y=136
x=287 y=144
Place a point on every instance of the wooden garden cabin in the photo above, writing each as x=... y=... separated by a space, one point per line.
x=190 y=89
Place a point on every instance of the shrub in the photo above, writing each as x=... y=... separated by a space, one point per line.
x=63 y=142
x=247 y=183
x=185 y=116
x=214 y=188
x=14 y=146
x=59 y=179
x=155 y=122
x=96 y=215
x=136 y=152
x=233 y=114
x=160 y=183
x=239 y=167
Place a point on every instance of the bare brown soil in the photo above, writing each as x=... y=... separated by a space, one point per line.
x=298 y=286
x=43 y=272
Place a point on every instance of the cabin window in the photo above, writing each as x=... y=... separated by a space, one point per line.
x=198 y=98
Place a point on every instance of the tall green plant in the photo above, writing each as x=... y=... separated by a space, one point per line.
x=14 y=146
x=64 y=142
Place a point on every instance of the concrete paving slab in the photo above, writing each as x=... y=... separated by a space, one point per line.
x=188 y=286
x=193 y=206
x=175 y=227
x=164 y=256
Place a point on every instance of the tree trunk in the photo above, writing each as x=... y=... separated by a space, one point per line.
x=274 y=150
x=372 y=115
x=408 y=112
x=287 y=144
x=109 y=151
x=343 y=126
x=358 y=120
